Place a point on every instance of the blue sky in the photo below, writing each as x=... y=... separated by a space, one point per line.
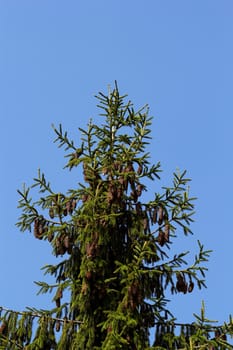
x=174 y=55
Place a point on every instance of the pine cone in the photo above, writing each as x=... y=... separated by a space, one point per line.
x=154 y=215
x=139 y=189
x=161 y=238
x=51 y=213
x=191 y=286
x=4 y=328
x=181 y=284
x=160 y=215
x=167 y=232
x=58 y=326
x=139 y=170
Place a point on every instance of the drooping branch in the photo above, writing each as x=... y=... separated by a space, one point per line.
x=37 y=314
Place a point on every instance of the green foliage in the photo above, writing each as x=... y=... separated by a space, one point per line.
x=114 y=270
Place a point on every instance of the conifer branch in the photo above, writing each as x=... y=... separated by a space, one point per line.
x=38 y=314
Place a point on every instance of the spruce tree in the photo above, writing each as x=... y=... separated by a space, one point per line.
x=114 y=268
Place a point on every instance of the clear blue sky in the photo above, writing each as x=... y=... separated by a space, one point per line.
x=175 y=55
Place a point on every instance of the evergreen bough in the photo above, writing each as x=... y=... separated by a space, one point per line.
x=114 y=268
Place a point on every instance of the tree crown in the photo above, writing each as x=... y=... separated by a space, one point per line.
x=115 y=266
